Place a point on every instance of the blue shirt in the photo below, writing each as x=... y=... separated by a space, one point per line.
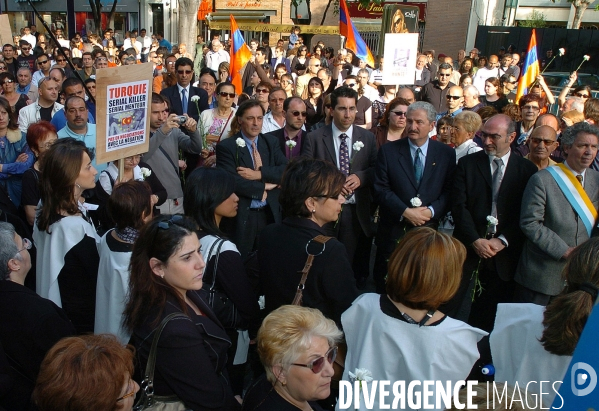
x=164 y=43
x=88 y=138
x=60 y=118
x=11 y=174
x=248 y=144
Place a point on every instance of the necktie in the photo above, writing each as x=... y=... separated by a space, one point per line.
x=418 y=168
x=184 y=100
x=256 y=155
x=343 y=155
x=579 y=178
x=497 y=177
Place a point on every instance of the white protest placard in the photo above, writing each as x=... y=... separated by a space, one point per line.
x=401 y=53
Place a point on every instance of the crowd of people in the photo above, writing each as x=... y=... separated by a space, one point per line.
x=281 y=236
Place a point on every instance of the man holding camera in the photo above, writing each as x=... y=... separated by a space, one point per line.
x=166 y=138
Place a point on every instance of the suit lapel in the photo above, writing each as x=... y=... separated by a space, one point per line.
x=176 y=101
x=405 y=160
x=430 y=162
x=264 y=150
x=485 y=168
x=327 y=137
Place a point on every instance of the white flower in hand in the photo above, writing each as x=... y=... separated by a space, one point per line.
x=290 y=143
x=358 y=145
x=586 y=57
x=492 y=220
x=240 y=142
x=416 y=202
x=195 y=98
x=562 y=51
x=261 y=302
x=361 y=374
x=145 y=172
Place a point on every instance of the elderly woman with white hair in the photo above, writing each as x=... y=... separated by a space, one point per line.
x=297 y=346
x=29 y=325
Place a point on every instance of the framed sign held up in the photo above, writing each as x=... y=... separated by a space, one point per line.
x=123 y=106
x=401 y=52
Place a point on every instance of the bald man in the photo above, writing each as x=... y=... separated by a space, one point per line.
x=541 y=143
x=455 y=101
x=406 y=93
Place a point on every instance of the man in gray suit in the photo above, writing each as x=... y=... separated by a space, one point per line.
x=553 y=219
x=353 y=150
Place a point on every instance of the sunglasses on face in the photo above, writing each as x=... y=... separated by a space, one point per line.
x=449 y=97
x=351 y=85
x=225 y=94
x=444 y=75
x=299 y=113
x=318 y=364
x=25 y=48
x=261 y=90
x=581 y=95
x=3 y=68
x=181 y=72
x=8 y=81
x=400 y=113
x=60 y=60
x=39 y=63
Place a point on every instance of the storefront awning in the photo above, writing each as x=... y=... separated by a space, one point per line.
x=286 y=28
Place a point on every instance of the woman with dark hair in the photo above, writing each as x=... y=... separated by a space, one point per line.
x=318 y=53
x=15 y=156
x=508 y=86
x=494 y=94
x=582 y=91
x=210 y=197
x=91 y=372
x=280 y=69
x=9 y=91
x=300 y=58
x=393 y=124
x=215 y=124
x=40 y=137
x=310 y=198
x=262 y=92
x=401 y=334
x=465 y=80
x=129 y=206
x=467 y=67
x=65 y=237
x=546 y=337
x=166 y=274
x=314 y=102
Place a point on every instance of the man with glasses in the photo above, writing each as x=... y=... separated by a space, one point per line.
x=530 y=108
x=353 y=150
x=455 y=100
x=26 y=59
x=216 y=56
x=25 y=85
x=541 y=143
x=492 y=70
x=436 y=91
x=294 y=110
x=44 y=108
x=301 y=83
x=489 y=182
x=88 y=69
x=8 y=53
x=275 y=118
x=43 y=68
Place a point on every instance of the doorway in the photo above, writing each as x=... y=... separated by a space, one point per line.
x=157 y=19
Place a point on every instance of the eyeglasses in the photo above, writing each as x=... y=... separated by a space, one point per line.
x=131 y=394
x=537 y=140
x=225 y=94
x=400 y=113
x=531 y=108
x=3 y=68
x=352 y=85
x=39 y=63
x=60 y=60
x=184 y=72
x=299 y=113
x=484 y=135
x=165 y=225
x=276 y=100
x=453 y=97
x=170 y=63
x=8 y=81
x=26 y=245
x=25 y=48
x=444 y=74
x=262 y=90
x=581 y=95
x=513 y=82
x=318 y=364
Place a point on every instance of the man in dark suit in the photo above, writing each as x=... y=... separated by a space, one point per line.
x=292 y=136
x=489 y=183
x=353 y=150
x=257 y=163
x=279 y=58
x=412 y=184
x=180 y=96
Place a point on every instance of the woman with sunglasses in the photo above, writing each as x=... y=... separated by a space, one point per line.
x=324 y=63
x=166 y=272
x=297 y=347
x=393 y=124
x=215 y=124
x=582 y=91
x=401 y=335
x=91 y=372
x=494 y=94
x=314 y=102
x=262 y=91
x=508 y=85
x=66 y=239
x=287 y=84
x=9 y=92
x=300 y=58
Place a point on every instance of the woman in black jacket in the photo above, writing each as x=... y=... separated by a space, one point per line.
x=166 y=272
x=310 y=197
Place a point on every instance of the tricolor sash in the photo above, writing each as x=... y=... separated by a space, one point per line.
x=575 y=194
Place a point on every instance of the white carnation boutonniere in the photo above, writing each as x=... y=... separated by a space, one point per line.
x=362 y=375
x=291 y=144
x=240 y=142
x=261 y=302
x=145 y=172
x=357 y=146
x=492 y=220
x=416 y=202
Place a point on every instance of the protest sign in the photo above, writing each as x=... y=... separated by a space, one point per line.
x=401 y=52
x=123 y=101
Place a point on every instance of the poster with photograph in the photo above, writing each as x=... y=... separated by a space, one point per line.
x=401 y=52
x=123 y=101
x=398 y=18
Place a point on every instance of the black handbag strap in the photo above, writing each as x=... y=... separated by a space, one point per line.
x=148 y=381
x=321 y=239
x=169 y=160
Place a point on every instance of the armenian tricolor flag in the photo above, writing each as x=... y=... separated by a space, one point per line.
x=240 y=55
x=353 y=41
x=530 y=70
